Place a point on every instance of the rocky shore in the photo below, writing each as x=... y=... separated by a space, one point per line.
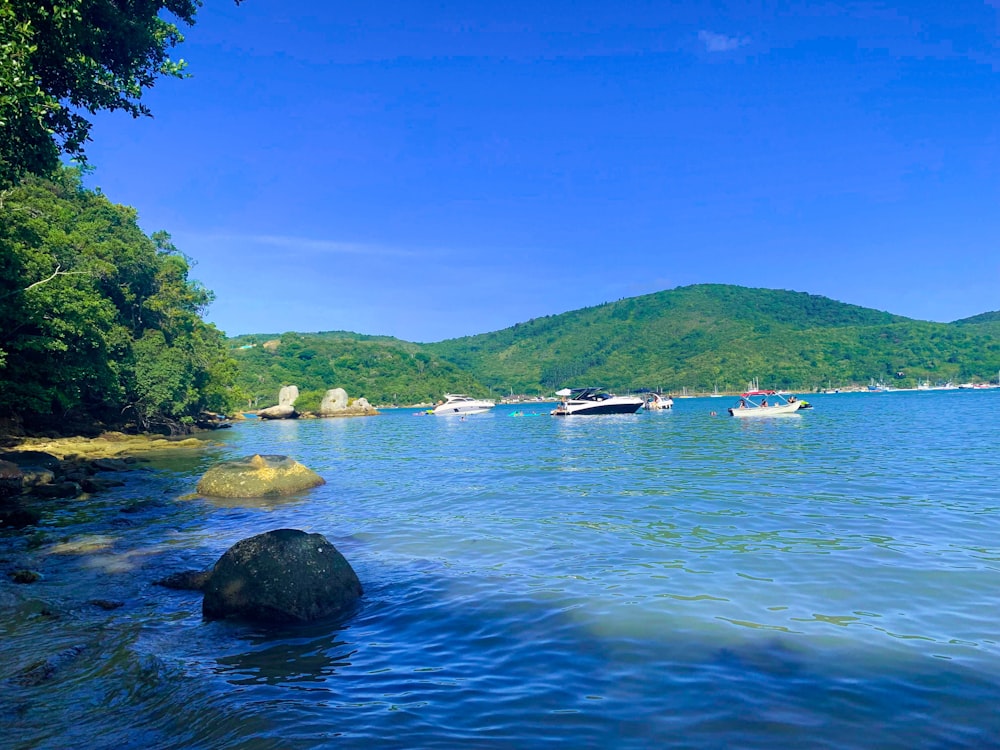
x=47 y=468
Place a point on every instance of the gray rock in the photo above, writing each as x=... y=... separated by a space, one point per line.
x=109 y=464
x=187 y=580
x=278 y=412
x=95 y=484
x=362 y=405
x=281 y=576
x=258 y=476
x=288 y=395
x=334 y=400
x=286 y=405
x=36 y=476
x=335 y=405
x=59 y=489
x=11 y=479
x=26 y=459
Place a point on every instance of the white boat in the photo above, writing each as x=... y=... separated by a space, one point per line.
x=456 y=403
x=658 y=402
x=759 y=403
x=585 y=401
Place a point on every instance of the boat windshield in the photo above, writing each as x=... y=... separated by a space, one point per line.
x=589 y=394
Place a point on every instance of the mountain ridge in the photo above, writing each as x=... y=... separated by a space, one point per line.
x=698 y=337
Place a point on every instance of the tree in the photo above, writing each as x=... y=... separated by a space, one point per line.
x=98 y=322
x=60 y=59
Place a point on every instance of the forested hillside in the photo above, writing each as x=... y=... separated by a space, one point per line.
x=382 y=369
x=99 y=323
x=698 y=337
x=706 y=336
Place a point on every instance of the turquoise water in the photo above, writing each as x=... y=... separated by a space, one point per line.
x=828 y=579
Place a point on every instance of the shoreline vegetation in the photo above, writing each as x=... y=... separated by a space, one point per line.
x=697 y=340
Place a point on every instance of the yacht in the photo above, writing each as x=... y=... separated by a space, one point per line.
x=581 y=401
x=456 y=403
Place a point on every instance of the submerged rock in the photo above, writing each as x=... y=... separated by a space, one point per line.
x=258 y=476
x=186 y=580
x=281 y=576
x=25 y=576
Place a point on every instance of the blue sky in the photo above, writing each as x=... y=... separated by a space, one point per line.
x=436 y=170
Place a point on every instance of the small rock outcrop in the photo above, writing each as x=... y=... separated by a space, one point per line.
x=281 y=576
x=286 y=405
x=335 y=404
x=258 y=476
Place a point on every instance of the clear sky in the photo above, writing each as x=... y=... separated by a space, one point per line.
x=431 y=170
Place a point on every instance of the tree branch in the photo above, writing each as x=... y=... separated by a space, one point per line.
x=55 y=273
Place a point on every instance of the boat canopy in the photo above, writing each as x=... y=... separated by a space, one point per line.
x=577 y=393
x=758 y=393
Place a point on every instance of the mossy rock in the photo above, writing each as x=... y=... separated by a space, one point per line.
x=258 y=476
x=281 y=576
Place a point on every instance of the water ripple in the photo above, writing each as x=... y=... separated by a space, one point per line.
x=675 y=579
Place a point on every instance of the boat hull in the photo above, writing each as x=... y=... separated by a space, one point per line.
x=461 y=405
x=588 y=408
x=754 y=412
x=451 y=411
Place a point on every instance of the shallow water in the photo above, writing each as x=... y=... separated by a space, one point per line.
x=827 y=579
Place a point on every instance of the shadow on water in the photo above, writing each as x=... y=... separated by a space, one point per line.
x=153 y=674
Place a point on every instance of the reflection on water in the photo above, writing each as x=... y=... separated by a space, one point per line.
x=653 y=579
x=287 y=662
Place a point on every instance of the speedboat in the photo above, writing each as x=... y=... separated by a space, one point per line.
x=582 y=401
x=658 y=402
x=456 y=403
x=766 y=404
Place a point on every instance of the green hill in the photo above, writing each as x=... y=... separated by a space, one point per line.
x=982 y=318
x=697 y=337
x=383 y=369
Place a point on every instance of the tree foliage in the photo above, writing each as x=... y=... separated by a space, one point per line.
x=382 y=369
x=60 y=59
x=697 y=337
x=97 y=320
x=712 y=335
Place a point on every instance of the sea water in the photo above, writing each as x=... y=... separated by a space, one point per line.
x=826 y=579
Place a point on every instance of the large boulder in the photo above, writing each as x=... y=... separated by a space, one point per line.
x=285 y=409
x=334 y=400
x=278 y=412
x=281 y=576
x=258 y=476
x=288 y=395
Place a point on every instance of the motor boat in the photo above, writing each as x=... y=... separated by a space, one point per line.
x=456 y=403
x=658 y=402
x=585 y=401
x=760 y=403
